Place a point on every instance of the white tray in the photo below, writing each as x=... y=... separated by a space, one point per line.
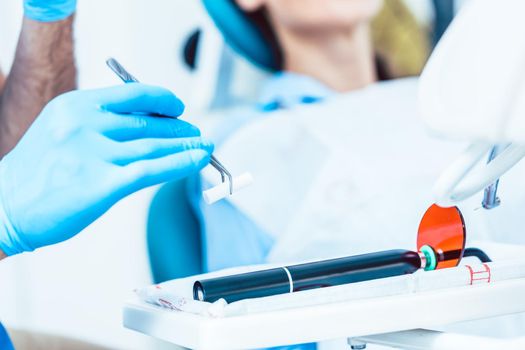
x=330 y=321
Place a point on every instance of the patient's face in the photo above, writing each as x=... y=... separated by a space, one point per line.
x=317 y=14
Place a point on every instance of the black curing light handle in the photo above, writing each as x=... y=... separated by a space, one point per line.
x=319 y=274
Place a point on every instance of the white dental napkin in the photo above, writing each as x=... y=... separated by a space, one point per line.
x=177 y=294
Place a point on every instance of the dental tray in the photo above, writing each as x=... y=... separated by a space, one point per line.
x=352 y=318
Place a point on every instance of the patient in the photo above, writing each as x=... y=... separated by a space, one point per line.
x=316 y=49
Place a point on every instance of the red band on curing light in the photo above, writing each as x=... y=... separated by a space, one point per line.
x=443 y=229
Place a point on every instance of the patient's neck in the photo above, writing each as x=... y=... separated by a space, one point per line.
x=343 y=60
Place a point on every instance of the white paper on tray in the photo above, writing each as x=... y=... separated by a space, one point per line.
x=177 y=294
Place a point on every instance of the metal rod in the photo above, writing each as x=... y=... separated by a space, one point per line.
x=490 y=195
x=223 y=171
x=119 y=70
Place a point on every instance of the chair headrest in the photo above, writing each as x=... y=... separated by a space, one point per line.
x=241 y=33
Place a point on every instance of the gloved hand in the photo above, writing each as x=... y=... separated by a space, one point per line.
x=85 y=152
x=49 y=10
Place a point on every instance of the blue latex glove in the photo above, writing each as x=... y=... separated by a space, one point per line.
x=85 y=152
x=49 y=10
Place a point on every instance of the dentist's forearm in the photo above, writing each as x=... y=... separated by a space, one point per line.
x=2 y=255
x=43 y=68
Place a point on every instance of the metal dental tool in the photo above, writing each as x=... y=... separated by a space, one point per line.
x=224 y=172
x=216 y=193
x=440 y=240
x=122 y=73
x=490 y=196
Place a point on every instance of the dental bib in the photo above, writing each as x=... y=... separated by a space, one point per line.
x=352 y=174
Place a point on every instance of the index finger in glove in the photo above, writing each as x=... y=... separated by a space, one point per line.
x=138 y=98
x=131 y=127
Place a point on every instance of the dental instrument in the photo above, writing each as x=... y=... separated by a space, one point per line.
x=219 y=192
x=441 y=244
x=319 y=274
x=420 y=300
x=119 y=70
x=213 y=194
x=173 y=294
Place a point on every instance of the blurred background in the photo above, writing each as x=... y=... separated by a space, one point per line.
x=79 y=290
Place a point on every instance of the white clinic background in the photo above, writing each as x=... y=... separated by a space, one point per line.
x=77 y=288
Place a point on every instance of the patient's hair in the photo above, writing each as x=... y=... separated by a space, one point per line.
x=262 y=21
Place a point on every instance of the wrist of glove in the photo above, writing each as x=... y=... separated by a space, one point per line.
x=49 y=10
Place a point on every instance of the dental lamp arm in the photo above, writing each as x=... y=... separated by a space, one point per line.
x=473 y=89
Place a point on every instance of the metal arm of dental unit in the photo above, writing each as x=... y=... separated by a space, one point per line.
x=473 y=89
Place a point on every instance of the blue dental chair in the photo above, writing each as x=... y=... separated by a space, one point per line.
x=173 y=235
